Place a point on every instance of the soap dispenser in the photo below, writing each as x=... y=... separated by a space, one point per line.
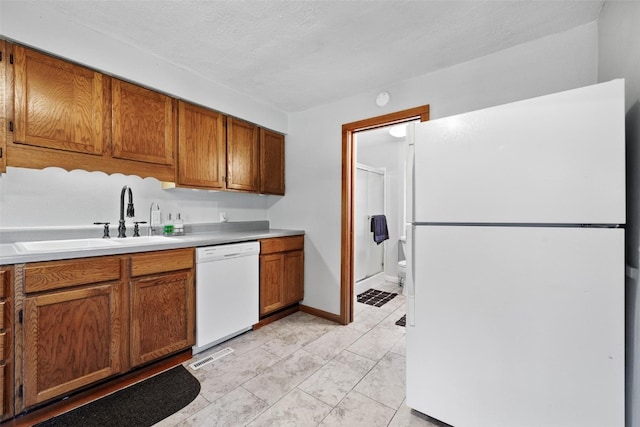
x=168 y=226
x=178 y=226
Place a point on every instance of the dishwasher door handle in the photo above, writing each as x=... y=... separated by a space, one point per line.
x=232 y=255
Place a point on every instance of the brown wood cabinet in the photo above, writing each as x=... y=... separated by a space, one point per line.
x=162 y=304
x=6 y=343
x=6 y=109
x=281 y=273
x=143 y=124
x=73 y=334
x=202 y=147
x=87 y=319
x=243 y=156
x=271 y=162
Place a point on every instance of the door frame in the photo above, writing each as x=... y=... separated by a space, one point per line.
x=348 y=171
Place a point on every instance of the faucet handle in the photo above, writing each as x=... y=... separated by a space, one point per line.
x=136 y=228
x=105 y=231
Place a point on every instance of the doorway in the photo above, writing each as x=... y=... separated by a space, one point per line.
x=348 y=179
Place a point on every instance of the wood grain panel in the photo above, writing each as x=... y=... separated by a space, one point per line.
x=271 y=282
x=201 y=147
x=6 y=98
x=72 y=338
x=293 y=277
x=143 y=124
x=161 y=261
x=271 y=162
x=57 y=104
x=243 y=156
x=281 y=244
x=51 y=275
x=162 y=316
x=4 y=283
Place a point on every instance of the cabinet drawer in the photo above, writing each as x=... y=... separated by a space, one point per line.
x=44 y=276
x=161 y=262
x=281 y=244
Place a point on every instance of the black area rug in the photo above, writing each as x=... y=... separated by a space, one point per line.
x=142 y=404
x=375 y=297
x=402 y=321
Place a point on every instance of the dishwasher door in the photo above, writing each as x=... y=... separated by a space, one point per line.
x=227 y=292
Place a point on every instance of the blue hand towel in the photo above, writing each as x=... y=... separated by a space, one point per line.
x=379 y=228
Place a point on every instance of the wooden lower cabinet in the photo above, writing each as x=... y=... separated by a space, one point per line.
x=162 y=320
x=281 y=273
x=6 y=343
x=84 y=320
x=72 y=338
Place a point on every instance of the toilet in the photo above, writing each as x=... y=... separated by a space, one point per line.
x=402 y=264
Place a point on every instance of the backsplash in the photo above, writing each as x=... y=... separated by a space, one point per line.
x=54 y=197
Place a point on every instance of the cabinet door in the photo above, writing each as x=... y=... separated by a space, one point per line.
x=162 y=316
x=5 y=110
x=294 y=277
x=57 y=104
x=143 y=124
x=72 y=338
x=272 y=292
x=6 y=343
x=242 y=156
x=201 y=147
x=271 y=162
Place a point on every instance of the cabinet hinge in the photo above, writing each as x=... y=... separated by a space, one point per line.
x=11 y=58
x=20 y=391
x=0 y=56
x=20 y=316
x=0 y=152
x=10 y=126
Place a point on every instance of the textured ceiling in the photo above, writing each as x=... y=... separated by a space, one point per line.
x=298 y=54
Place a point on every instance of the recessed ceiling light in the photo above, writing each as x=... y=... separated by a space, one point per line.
x=382 y=99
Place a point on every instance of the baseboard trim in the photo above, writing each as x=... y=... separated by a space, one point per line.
x=270 y=318
x=320 y=313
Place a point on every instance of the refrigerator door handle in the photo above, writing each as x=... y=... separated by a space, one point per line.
x=409 y=280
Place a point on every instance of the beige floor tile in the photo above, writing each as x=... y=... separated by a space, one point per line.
x=357 y=410
x=236 y=408
x=284 y=376
x=407 y=417
x=296 y=409
x=195 y=406
x=288 y=342
x=385 y=383
x=225 y=375
x=368 y=319
x=332 y=382
x=333 y=342
x=377 y=342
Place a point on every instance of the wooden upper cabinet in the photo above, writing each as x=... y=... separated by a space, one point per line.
x=243 y=156
x=271 y=162
x=143 y=124
x=57 y=104
x=201 y=147
x=5 y=109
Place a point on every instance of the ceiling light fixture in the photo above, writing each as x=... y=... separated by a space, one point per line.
x=382 y=99
x=399 y=131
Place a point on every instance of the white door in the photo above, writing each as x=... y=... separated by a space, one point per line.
x=517 y=326
x=553 y=159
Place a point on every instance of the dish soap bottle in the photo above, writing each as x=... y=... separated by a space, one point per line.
x=178 y=226
x=168 y=227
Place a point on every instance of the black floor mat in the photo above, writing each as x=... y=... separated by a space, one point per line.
x=402 y=321
x=142 y=404
x=375 y=297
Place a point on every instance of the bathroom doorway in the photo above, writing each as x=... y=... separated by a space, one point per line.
x=349 y=131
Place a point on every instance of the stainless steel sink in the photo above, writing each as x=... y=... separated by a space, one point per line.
x=64 y=245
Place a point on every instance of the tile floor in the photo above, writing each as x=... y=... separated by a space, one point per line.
x=306 y=371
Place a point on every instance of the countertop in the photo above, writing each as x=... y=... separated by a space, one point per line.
x=11 y=254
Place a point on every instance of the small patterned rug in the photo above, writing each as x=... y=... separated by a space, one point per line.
x=402 y=321
x=375 y=297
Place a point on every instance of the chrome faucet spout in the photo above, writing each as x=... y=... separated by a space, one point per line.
x=130 y=211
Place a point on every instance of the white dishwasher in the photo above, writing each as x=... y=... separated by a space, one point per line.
x=227 y=292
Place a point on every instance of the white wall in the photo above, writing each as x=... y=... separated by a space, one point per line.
x=619 y=56
x=23 y=22
x=314 y=150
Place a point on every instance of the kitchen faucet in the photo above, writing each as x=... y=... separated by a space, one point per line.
x=130 y=212
x=153 y=221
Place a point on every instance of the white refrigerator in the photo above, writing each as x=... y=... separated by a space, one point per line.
x=515 y=287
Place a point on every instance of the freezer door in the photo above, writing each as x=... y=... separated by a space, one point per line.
x=517 y=326
x=553 y=159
